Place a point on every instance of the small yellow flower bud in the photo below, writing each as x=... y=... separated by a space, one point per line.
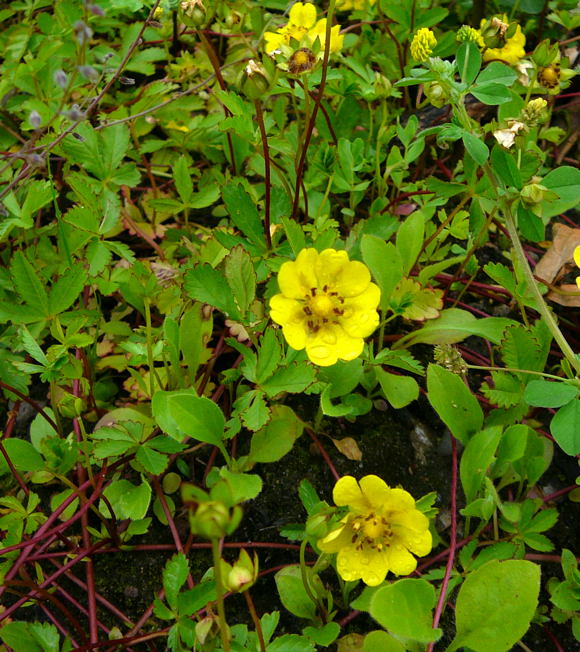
x=468 y=34
x=422 y=45
x=436 y=93
x=534 y=111
x=549 y=76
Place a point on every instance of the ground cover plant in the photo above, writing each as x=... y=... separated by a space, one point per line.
x=288 y=325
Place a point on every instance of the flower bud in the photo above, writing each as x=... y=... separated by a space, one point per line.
x=60 y=78
x=545 y=54
x=83 y=32
x=88 y=72
x=382 y=86
x=213 y=519
x=436 y=93
x=422 y=45
x=35 y=119
x=256 y=80
x=494 y=33
x=303 y=60
x=194 y=13
x=549 y=76
x=240 y=576
x=317 y=525
x=468 y=34
x=207 y=628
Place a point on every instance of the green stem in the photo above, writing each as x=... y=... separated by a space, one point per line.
x=267 y=180
x=306 y=581
x=148 y=333
x=517 y=371
x=224 y=629
x=257 y=623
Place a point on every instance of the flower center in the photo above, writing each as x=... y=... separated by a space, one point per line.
x=322 y=307
x=371 y=530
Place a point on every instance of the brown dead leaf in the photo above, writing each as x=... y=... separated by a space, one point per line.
x=349 y=448
x=553 y=264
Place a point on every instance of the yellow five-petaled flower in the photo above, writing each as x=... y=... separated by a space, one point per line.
x=327 y=305
x=381 y=530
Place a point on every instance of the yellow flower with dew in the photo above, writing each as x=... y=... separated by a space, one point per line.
x=381 y=532
x=327 y=305
x=512 y=51
x=577 y=261
x=347 y=5
x=319 y=32
x=422 y=44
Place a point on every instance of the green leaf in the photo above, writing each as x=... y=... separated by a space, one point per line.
x=453 y=402
x=294 y=378
x=492 y=596
x=241 y=277
x=498 y=73
x=564 y=181
x=244 y=213
x=410 y=240
x=380 y=640
x=191 y=601
x=152 y=461
x=454 y=325
x=182 y=179
x=521 y=350
x=174 y=576
x=204 y=197
x=491 y=93
x=323 y=636
x=208 y=285
x=183 y=413
x=398 y=390
x=545 y=393
x=28 y=284
x=308 y=496
x=276 y=440
x=477 y=457
x=404 y=608
x=128 y=500
x=23 y=455
x=31 y=347
x=17 y=635
x=67 y=289
x=291 y=643
x=293 y=594
x=565 y=427
x=505 y=166
x=476 y=148
x=385 y=264
x=468 y=62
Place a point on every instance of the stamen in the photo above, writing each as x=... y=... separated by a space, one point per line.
x=307 y=310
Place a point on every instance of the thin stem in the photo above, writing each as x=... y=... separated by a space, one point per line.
x=224 y=630
x=257 y=623
x=267 y=179
x=452 y=543
x=150 y=360
x=517 y=371
x=306 y=581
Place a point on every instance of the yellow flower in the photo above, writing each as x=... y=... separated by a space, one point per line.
x=379 y=533
x=346 y=5
x=577 y=261
x=327 y=305
x=319 y=31
x=513 y=49
x=422 y=44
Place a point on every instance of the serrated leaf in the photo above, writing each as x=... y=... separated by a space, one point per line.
x=507 y=390
x=244 y=213
x=208 y=285
x=520 y=349
x=32 y=348
x=182 y=179
x=241 y=277
x=174 y=576
x=152 y=461
x=27 y=283
x=67 y=289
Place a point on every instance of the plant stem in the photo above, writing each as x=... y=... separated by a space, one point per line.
x=517 y=371
x=224 y=630
x=306 y=581
x=267 y=179
x=257 y=623
x=150 y=360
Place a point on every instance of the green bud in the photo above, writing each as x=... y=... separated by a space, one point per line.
x=193 y=13
x=382 y=86
x=436 y=93
x=256 y=80
x=546 y=54
x=468 y=34
x=317 y=526
x=494 y=33
x=533 y=193
x=213 y=520
x=241 y=575
x=207 y=628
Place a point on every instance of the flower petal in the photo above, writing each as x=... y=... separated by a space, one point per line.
x=400 y=560
x=375 y=490
x=347 y=492
x=330 y=343
x=577 y=256
x=295 y=334
x=364 y=563
x=295 y=278
x=284 y=310
x=303 y=14
x=273 y=40
x=337 y=539
x=353 y=280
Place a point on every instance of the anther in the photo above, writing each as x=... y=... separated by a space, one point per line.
x=307 y=310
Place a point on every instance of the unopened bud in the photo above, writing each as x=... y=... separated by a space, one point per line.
x=242 y=575
x=127 y=81
x=468 y=34
x=60 y=78
x=206 y=628
x=301 y=61
x=83 y=32
x=533 y=193
x=213 y=519
x=88 y=72
x=255 y=80
x=436 y=93
x=96 y=10
x=494 y=33
x=35 y=119
x=75 y=114
x=194 y=13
